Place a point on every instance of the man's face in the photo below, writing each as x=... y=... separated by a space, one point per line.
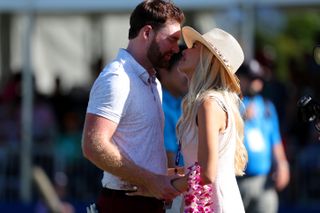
x=179 y=80
x=164 y=44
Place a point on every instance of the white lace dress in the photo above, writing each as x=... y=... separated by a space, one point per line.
x=226 y=196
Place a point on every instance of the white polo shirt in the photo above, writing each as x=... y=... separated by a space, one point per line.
x=125 y=94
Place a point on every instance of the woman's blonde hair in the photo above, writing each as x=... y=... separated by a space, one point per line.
x=210 y=75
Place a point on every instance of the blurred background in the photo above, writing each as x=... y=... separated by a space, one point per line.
x=52 y=50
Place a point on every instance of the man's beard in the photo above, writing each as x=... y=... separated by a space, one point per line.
x=155 y=56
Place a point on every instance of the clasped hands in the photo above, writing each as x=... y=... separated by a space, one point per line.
x=160 y=186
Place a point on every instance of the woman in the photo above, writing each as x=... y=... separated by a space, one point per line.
x=211 y=128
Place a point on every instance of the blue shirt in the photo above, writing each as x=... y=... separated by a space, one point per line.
x=172 y=110
x=261 y=134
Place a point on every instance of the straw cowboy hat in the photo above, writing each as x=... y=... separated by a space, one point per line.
x=223 y=45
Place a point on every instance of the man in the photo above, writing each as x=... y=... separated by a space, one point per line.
x=174 y=87
x=267 y=170
x=123 y=131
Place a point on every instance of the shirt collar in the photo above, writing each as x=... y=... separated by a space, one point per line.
x=139 y=70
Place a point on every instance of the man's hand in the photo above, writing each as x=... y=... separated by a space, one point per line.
x=282 y=176
x=158 y=186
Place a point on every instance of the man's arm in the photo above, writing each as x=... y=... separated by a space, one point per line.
x=97 y=146
x=282 y=171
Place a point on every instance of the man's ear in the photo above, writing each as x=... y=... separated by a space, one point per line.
x=147 y=31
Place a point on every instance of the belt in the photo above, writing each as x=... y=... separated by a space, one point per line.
x=107 y=191
x=115 y=191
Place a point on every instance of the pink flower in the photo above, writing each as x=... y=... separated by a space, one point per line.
x=198 y=197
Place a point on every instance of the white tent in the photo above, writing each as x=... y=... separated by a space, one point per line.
x=123 y=5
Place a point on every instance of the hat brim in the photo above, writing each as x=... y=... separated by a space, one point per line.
x=190 y=36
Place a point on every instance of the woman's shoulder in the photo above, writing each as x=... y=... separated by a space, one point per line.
x=211 y=94
x=212 y=97
x=212 y=108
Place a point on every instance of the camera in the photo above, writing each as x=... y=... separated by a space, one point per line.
x=309 y=111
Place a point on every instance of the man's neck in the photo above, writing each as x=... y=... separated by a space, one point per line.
x=139 y=54
x=170 y=90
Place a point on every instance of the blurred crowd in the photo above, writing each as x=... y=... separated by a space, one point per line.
x=56 y=134
x=58 y=122
x=300 y=139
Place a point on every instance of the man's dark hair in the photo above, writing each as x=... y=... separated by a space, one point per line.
x=251 y=72
x=155 y=13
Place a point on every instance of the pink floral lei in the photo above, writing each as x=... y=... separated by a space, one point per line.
x=198 y=197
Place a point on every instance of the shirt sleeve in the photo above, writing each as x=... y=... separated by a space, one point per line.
x=109 y=95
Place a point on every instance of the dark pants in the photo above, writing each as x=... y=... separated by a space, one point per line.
x=116 y=201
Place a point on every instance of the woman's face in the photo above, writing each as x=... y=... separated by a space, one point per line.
x=190 y=59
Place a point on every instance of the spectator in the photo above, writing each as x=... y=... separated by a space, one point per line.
x=267 y=169
x=174 y=87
